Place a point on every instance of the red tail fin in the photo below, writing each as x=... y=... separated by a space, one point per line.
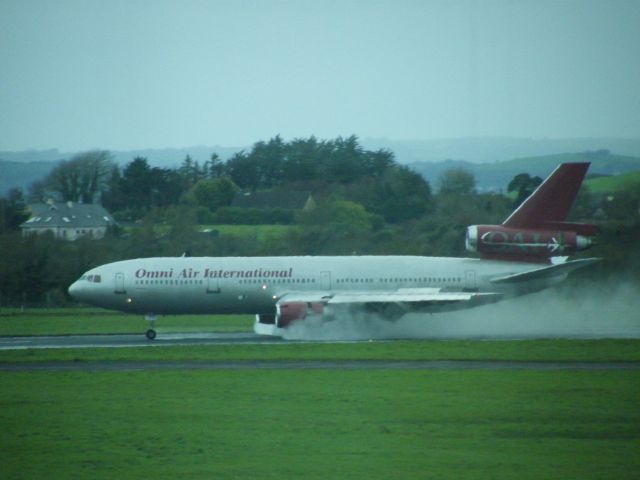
x=551 y=201
x=537 y=230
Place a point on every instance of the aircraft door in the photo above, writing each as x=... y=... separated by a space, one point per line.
x=325 y=280
x=470 y=281
x=119 y=283
x=213 y=285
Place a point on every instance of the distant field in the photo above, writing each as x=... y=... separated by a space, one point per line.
x=261 y=232
x=614 y=183
x=320 y=424
x=71 y=321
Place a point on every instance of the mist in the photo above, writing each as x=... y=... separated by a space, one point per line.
x=587 y=312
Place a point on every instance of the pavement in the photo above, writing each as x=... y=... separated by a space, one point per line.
x=169 y=339
x=132 y=340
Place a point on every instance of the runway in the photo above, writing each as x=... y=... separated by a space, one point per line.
x=183 y=339
x=133 y=340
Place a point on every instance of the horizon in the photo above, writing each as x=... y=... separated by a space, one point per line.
x=360 y=139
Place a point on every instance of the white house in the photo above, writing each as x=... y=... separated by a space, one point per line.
x=68 y=221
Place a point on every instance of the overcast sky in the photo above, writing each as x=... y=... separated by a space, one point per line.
x=150 y=74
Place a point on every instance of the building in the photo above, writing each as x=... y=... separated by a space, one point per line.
x=275 y=199
x=68 y=221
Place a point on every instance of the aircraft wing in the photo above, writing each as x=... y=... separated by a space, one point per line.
x=403 y=296
x=545 y=272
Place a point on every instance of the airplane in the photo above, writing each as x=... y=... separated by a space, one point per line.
x=528 y=252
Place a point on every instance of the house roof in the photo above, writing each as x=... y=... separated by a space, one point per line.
x=70 y=215
x=275 y=199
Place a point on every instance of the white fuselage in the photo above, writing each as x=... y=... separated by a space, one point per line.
x=253 y=285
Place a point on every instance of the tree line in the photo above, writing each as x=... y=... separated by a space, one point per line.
x=338 y=169
x=367 y=204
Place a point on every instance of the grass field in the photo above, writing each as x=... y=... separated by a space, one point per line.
x=528 y=350
x=97 y=321
x=316 y=423
x=614 y=183
x=320 y=424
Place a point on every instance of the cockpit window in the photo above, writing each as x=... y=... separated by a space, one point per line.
x=92 y=278
x=97 y=278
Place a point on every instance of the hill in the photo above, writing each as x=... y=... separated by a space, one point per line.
x=158 y=157
x=21 y=169
x=496 y=176
x=496 y=149
x=614 y=183
x=22 y=174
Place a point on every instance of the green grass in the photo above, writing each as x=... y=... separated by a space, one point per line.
x=39 y=312
x=320 y=424
x=528 y=350
x=314 y=423
x=96 y=321
x=614 y=183
x=261 y=232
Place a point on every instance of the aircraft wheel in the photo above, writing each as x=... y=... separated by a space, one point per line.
x=151 y=334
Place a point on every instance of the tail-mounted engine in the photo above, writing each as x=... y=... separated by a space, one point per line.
x=505 y=243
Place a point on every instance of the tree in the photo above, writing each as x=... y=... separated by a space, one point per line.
x=456 y=181
x=268 y=159
x=303 y=160
x=335 y=227
x=37 y=192
x=167 y=187
x=12 y=211
x=214 y=194
x=346 y=162
x=141 y=187
x=137 y=184
x=379 y=161
x=112 y=197
x=191 y=172
x=401 y=194
x=243 y=171
x=340 y=215
x=214 y=168
x=524 y=185
x=82 y=178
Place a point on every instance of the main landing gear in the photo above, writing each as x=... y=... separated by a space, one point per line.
x=151 y=333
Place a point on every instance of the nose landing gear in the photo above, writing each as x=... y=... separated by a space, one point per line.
x=151 y=333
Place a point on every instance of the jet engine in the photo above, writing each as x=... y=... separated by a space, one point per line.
x=288 y=312
x=500 y=242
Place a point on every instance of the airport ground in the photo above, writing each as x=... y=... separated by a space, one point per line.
x=329 y=421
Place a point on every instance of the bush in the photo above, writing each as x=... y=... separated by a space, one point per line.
x=253 y=216
x=205 y=216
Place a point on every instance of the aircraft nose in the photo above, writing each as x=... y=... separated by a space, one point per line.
x=75 y=290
